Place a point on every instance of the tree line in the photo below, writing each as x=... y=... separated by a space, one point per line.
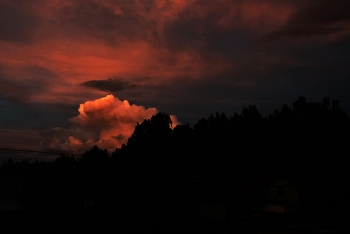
x=307 y=143
x=307 y=140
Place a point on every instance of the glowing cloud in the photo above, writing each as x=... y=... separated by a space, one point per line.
x=111 y=119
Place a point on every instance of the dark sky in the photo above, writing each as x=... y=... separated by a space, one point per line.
x=188 y=58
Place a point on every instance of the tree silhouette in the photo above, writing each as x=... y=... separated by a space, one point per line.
x=95 y=156
x=163 y=169
x=152 y=132
x=148 y=149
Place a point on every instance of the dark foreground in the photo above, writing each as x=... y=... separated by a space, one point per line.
x=100 y=221
x=198 y=206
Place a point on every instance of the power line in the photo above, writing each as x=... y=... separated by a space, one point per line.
x=36 y=151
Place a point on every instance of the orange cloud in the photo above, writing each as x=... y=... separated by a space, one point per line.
x=111 y=119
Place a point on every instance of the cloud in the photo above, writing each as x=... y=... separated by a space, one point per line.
x=34 y=79
x=106 y=122
x=21 y=139
x=81 y=40
x=320 y=18
x=198 y=58
x=223 y=26
x=16 y=26
x=110 y=85
x=110 y=21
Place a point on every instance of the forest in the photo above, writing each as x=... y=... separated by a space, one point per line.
x=162 y=175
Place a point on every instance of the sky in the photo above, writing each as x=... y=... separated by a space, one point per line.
x=78 y=73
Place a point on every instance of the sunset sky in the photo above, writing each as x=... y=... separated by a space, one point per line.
x=78 y=73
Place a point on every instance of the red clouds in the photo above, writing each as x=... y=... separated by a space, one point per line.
x=81 y=41
x=106 y=122
x=329 y=20
x=89 y=40
x=172 y=54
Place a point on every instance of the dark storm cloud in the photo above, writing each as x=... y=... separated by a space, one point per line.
x=35 y=72
x=183 y=34
x=224 y=28
x=201 y=32
x=126 y=90
x=119 y=137
x=18 y=114
x=264 y=78
x=103 y=22
x=113 y=84
x=16 y=92
x=192 y=100
x=16 y=26
x=318 y=19
x=19 y=86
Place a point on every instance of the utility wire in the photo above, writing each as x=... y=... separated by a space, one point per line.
x=36 y=151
